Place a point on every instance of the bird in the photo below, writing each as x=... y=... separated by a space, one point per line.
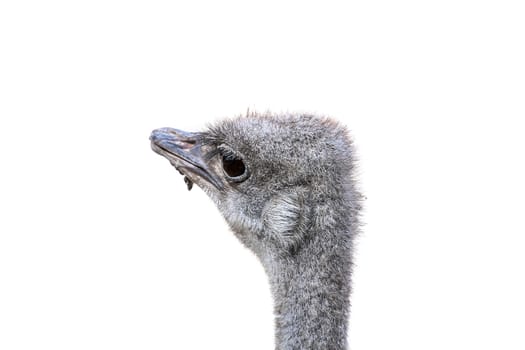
x=286 y=185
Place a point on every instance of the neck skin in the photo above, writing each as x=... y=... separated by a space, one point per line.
x=311 y=298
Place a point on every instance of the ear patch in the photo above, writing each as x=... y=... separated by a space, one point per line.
x=284 y=219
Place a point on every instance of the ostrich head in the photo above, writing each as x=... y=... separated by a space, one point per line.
x=284 y=185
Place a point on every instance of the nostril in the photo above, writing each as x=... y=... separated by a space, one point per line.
x=184 y=144
x=185 y=136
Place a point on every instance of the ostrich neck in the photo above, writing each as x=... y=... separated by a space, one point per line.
x=311 y=298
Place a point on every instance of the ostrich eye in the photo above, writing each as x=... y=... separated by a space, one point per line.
x=233 y=166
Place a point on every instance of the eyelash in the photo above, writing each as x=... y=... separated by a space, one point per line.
x=227 y=153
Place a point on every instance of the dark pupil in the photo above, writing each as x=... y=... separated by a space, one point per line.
x=233 y=166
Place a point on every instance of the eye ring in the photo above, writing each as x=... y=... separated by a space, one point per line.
x=233 y=165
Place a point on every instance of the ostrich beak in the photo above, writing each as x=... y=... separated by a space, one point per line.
x=184 y=151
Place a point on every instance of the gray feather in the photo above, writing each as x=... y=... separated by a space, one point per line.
x=296 y=207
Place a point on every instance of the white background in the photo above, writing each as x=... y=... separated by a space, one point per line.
x=102 y=247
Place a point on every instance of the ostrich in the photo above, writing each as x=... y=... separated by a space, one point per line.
x=284 y=184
